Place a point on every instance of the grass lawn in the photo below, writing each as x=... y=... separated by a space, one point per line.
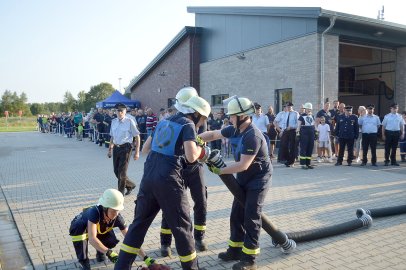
x=15 y=124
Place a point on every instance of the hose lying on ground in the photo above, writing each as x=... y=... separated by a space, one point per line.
x=318 y=233
x=287 y=245
x=382 y=212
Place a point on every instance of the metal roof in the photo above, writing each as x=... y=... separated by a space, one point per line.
x=302 y=12
x=188 y=30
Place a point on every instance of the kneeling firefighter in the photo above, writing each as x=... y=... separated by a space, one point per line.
x=193 y=177
x=254 y=170
x=95 y=225
x=162 y=187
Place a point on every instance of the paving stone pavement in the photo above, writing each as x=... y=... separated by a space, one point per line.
x=47 y=179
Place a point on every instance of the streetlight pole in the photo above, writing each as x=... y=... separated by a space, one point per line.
x=119 y=84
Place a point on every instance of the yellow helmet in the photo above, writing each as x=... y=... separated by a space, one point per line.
x=308 y=105
x=185 y=94
x=112 y=198
x=240 y=106
x=199 y=105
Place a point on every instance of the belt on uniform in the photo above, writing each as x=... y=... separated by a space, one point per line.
x=122 y=145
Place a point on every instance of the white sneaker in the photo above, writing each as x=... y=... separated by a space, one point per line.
x=358 y=160
x=330 y=160
x=334 y=156
x=319 y=159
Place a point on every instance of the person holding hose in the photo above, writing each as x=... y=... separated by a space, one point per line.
x=95 y=225
x=254 y=170
x=172 y=146
x=193 y=177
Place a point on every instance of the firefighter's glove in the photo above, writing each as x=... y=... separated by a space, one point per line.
x=113 y=257
x=200 y=142
x=214 y=169
x=149 y=261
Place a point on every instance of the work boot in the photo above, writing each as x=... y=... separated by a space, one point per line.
x=200 y=245
x=166 y=251
x=100 y=257
x=232 y=254
x=85 y=264
x=245 y=265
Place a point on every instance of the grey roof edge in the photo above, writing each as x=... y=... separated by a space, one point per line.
x=305 y=12
x=187 y=30
x=363 y=20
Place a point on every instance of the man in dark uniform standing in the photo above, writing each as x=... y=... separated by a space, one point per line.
x=193 y=177
x=254 y=170
x=162 y=187
x=98 y=118
x=347 y=131
x=124 y=137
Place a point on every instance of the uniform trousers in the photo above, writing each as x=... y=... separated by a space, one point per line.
x=306 y=145
x=166 y=192
x=350 y=149
x=193 y=177
x=369 y=140
x=121 y=157
x=246 y=223
x=288 y=146
x=391 y=144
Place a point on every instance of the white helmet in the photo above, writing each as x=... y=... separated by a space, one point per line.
x=112 y=198
x=240 y=106
x=308 y=105
x=182 y=96
x=199 y=105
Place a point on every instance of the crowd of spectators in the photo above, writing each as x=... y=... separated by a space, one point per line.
x=95 y=126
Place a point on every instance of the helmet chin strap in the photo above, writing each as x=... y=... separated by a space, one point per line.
x=240 y=122
x=194 y=118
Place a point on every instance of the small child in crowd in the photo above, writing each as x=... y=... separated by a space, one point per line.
x=324 y=140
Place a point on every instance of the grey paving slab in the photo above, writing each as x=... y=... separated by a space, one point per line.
x=47 y=179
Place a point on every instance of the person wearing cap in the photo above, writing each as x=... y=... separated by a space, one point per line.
x=172 y=145
x=254 y=170
x=306 y=129
x=347 y=131
x=194 y=180
x=369 y=124
x=392 y=131
x=95 y=225
x=287 y=132
x=124 y=137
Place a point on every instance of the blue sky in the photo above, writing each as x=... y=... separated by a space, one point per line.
x=48 y=47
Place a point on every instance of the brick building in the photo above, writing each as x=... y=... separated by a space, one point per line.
x=273 y=55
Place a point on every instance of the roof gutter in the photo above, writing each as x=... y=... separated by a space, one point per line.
x=332 y=22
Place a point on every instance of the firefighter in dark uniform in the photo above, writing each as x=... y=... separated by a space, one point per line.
x=98 y=118
x=347 y=130
x=254 y=170
x=193 y=177
x=306 y=129
x=162 y=185
x=95 y=225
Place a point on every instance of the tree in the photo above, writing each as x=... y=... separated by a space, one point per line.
x=98 y=93
x=69 y=102
x=37 y=108
x=81 y=102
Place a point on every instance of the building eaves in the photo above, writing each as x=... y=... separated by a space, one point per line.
x=302 y=12
x=187 y=30
x=362 y=20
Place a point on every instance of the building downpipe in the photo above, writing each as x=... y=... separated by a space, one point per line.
x=332 y=22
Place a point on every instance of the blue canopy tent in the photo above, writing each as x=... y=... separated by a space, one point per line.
x=115 y=98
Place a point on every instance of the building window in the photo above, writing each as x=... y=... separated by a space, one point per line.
x=217 y=100
x=171 y=102
x=281 y=97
